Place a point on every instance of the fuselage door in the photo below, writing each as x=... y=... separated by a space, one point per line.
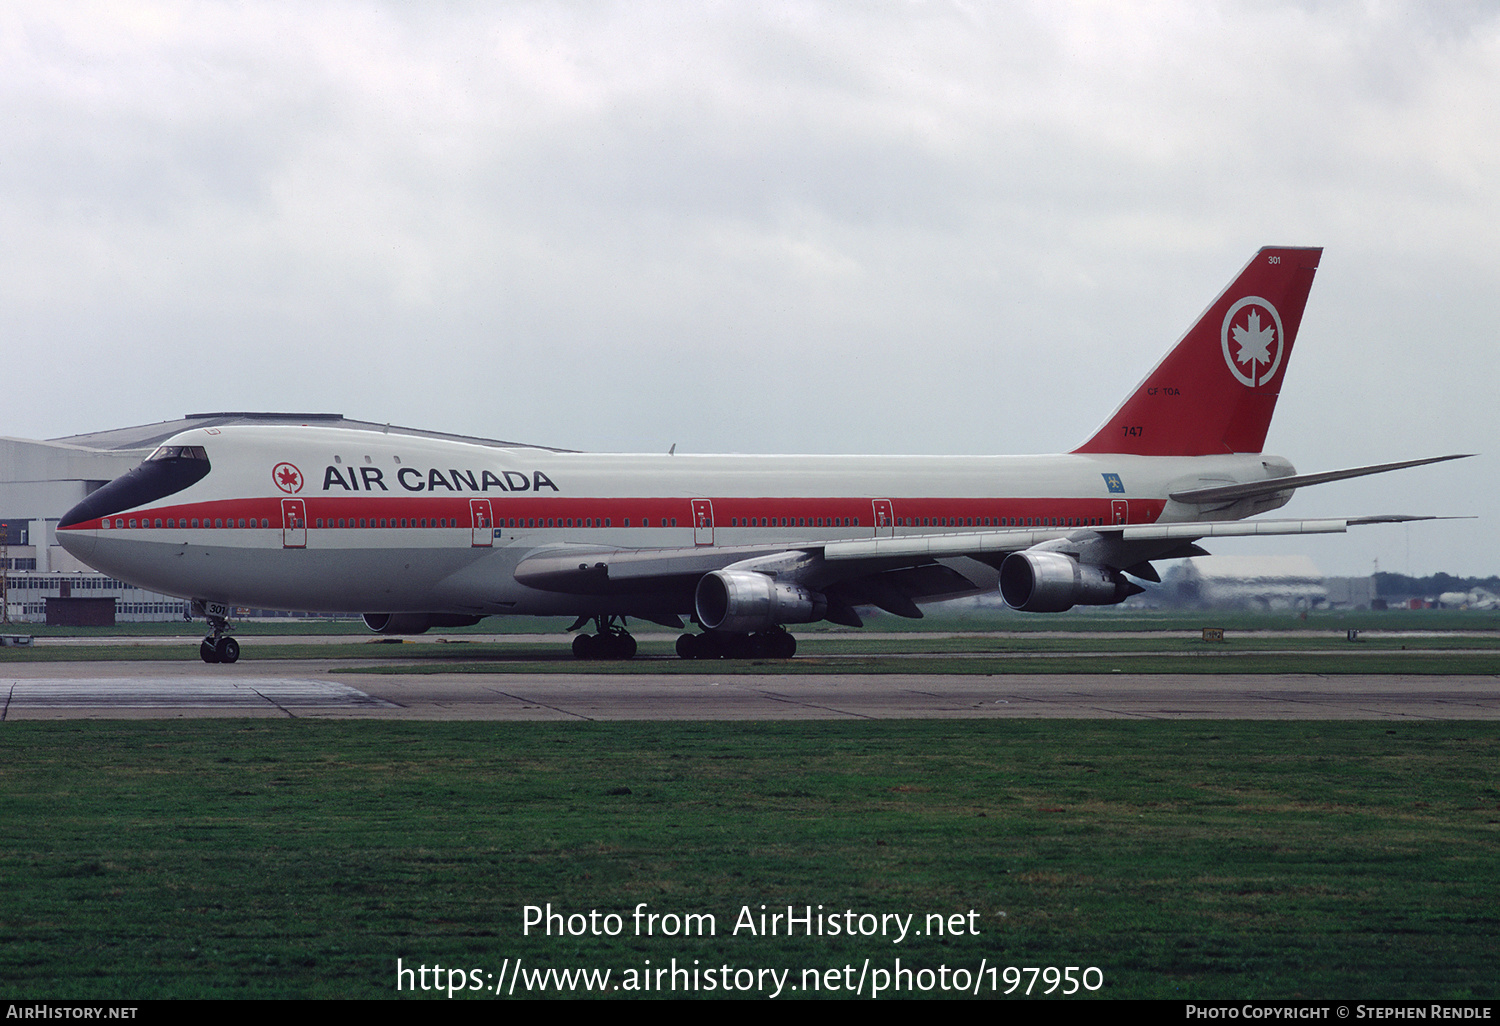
x=885 y=520
x=483 y=529
x=1119 y=511
x=703 y=522
x=293 y=524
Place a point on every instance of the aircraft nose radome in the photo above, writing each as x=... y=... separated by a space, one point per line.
x=73 y=516
x=77 y=543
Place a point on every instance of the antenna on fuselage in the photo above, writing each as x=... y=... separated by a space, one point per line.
x=672 y=451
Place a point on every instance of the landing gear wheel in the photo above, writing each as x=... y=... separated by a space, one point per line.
x=772 y=644
x=612 y=642
x=218 y=647
x=779 y=644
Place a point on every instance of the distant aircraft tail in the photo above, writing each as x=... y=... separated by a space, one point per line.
x=1216 y=390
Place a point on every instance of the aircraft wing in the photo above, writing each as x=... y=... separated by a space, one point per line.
x=892 y=573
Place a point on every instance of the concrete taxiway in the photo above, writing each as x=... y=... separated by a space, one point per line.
x=292 y=688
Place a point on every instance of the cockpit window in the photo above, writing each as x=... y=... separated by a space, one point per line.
x=178 y=452
x=167 y=471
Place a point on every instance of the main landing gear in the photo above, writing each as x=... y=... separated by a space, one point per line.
x=612 y=642
x=776 y=643
x=219 y=647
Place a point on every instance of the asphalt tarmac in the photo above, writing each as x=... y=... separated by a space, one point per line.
x=296 y=688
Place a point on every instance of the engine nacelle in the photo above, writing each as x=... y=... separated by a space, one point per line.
x=742 y=602
x=416 y=623
x=1050 y=582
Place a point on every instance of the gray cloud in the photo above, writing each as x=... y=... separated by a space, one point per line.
x=802 y=227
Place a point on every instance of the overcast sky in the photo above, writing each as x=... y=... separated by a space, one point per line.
x=801 y=227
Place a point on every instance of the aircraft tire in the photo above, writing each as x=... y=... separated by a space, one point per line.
x=228 y=650
x=742 y=646
x=583 y=647
x=781 y=645
x=207 y=652
x=687 y=646
x=712 y=645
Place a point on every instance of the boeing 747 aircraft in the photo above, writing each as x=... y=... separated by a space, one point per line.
x=429 y=533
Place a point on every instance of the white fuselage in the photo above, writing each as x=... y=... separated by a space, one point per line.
x=326 y=519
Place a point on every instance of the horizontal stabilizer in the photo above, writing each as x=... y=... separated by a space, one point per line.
x=1249 y=490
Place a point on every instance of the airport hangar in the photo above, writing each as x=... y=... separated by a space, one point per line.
x=42 y=480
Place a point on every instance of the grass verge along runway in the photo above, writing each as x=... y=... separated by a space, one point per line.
x=1208 y=859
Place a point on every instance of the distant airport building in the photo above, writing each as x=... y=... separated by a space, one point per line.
x=1352 y=592
x=42 y=480
x=1246 y=582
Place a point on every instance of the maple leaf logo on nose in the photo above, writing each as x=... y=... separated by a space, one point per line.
x=287 y=477
x=1254 y=341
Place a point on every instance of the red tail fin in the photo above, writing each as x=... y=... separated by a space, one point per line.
x=1216 y=390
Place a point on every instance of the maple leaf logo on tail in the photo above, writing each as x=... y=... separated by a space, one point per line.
x=1254 y=341
x=1256 y=333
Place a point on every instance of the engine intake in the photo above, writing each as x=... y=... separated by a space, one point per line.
x=742 y=601
x=415 y=623
x=1050 y=582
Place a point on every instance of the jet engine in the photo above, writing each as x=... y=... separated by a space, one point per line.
x=416 y=623
x=743 y=601
x=1051 y=582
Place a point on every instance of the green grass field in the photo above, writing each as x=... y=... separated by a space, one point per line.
x=233 y=858
x=1443 y=642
